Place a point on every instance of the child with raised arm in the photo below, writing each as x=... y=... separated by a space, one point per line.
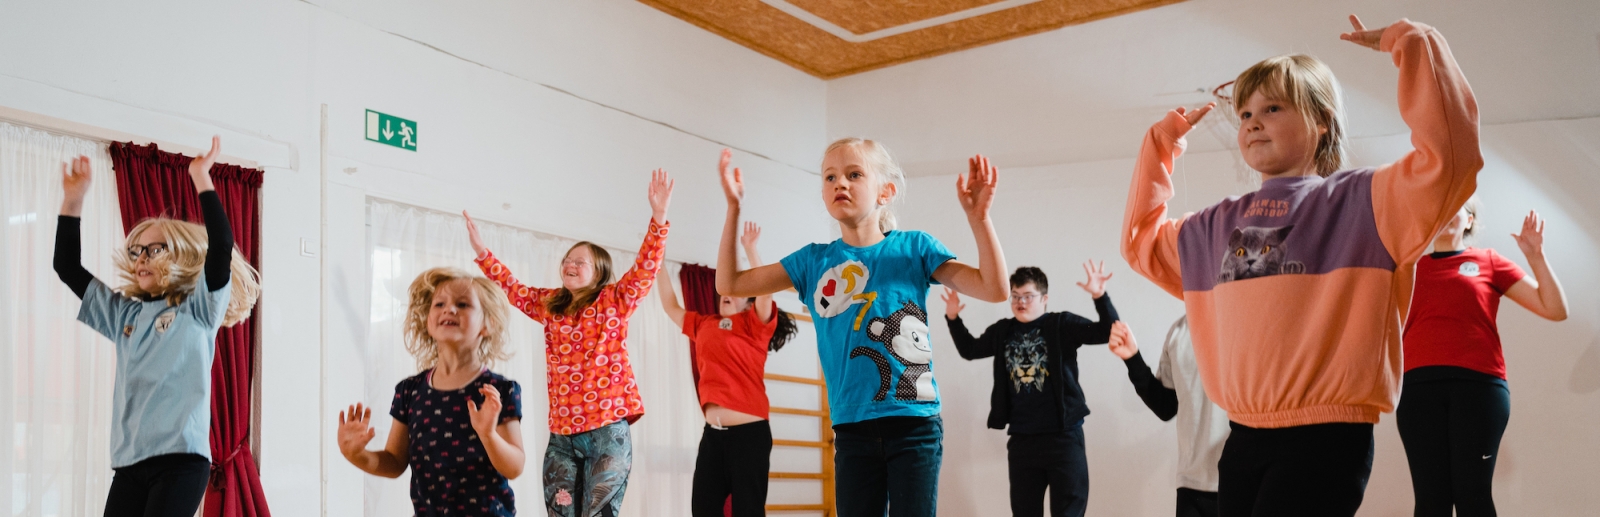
x=1036 y=395
x=593 y=395
x=730 y=359
x=867 y=292
x=1295 y=292
x=1456 y=402
x=457 y=425
x=1175 y=391
x=181 y=283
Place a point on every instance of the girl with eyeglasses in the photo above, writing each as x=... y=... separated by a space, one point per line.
x=182 y=282
x=593 y=395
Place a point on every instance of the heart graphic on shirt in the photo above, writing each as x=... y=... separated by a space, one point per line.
x=840 y=287
x=827 y=290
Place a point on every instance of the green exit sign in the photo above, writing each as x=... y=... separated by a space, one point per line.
x=388 y=129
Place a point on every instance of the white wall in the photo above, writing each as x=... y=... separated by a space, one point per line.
x=545 y=115
x=1058 y=216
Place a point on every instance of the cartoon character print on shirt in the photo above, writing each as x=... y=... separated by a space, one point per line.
x=904 y=334
x=1255 y=252
x=842 y=286
x=1025 y=359
x=164 y=321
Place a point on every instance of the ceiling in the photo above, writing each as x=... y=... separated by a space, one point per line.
x=836 y=38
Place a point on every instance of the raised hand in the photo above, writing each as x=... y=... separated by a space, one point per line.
x=660 y=194
x=1095 y=285
x=355 y=430
x=76 y=175
x=1122 y=343
x=952 y=303
x=200 y=166
x=472 y=235
x=732 y=181
x=752 y=233
x=1361 y=36
x=1531 y=240
x=976 y=189
x=485 y=418
x=1193 y=116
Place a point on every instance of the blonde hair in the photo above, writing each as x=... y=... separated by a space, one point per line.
x=882 y=166
x=570 y=302
x=1309 y=86
x=496 y=313
x=1472 y=206
x=184 y=260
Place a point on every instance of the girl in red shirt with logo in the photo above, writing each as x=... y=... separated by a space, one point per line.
x=1454 y=401
x=731 y=350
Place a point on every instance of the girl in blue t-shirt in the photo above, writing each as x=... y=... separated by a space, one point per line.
x=867 y=293
x=181 y=282
x=457 y=425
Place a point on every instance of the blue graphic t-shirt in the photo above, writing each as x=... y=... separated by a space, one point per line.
x=868 y=305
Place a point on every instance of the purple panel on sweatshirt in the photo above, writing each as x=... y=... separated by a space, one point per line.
x=1304 y=225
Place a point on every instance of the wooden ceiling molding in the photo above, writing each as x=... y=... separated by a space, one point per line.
x=836 y=38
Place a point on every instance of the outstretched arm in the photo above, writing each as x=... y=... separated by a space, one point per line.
x=986 y=282
x=669 y=299
x=1541 y=294
x=355 y=430
x=969 y=347
x=529 y=300
x=1149 y=238
x=1161 y=400
x=68 y=261
x=752 y=234
x=636 y=282
x=219 y=235
x=1094 y=333
x=755 y=281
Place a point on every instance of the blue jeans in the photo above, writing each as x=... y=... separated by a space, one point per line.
x=888 y=462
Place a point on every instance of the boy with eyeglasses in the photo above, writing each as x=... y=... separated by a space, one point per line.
x=1036 y=395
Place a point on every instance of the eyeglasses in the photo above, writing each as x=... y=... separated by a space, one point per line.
x=152 y=250
x=1025 y=298
x=574 y=262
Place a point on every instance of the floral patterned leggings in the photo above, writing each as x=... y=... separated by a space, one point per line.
x=586 y=473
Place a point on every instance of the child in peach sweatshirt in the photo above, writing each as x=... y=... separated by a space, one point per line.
x=1295 y=292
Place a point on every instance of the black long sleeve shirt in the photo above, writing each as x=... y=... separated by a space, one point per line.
x=1161 y=400
x=68 y=259
x=1062 y=333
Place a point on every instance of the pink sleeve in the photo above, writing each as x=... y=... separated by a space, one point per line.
x=1149 y=238
x=1413 y=197
x=529 y=300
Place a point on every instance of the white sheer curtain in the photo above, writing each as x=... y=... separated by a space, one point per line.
x=404 y=240
x=55 y=373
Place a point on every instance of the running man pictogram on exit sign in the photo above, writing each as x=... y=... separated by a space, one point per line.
x=388 y=129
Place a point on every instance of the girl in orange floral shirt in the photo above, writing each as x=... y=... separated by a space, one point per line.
x=593 y=396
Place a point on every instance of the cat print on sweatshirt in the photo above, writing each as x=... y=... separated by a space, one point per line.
x=1255 y=252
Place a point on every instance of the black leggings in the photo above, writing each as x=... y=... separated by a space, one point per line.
x=1451 y=430
x=733 y=462
x=1310 y=470
x=170 y=485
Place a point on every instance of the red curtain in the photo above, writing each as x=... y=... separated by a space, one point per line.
x=699 y=288
x=150 y=183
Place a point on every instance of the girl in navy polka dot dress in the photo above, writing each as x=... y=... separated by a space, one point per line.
x=457 y=425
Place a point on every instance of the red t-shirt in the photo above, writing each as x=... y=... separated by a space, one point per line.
x=1453 y=309
x=731 y=358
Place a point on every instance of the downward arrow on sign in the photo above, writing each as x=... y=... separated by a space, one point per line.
x=387 y=133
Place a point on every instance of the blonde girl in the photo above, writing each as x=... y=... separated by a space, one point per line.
x=867 y=292
x=457 y=425
x=181 y=283
x=593 y=395
x=1295 y=292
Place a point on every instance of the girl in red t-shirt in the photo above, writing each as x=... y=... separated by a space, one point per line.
x=730 y=356
x=1454 y=402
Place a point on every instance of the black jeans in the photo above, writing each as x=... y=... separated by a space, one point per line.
x=1055 y=461
x=169 y=485
x=732 y=461
x=1451 y=430
x=1196 y=503
x=890 y=463
x=1310 y=470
